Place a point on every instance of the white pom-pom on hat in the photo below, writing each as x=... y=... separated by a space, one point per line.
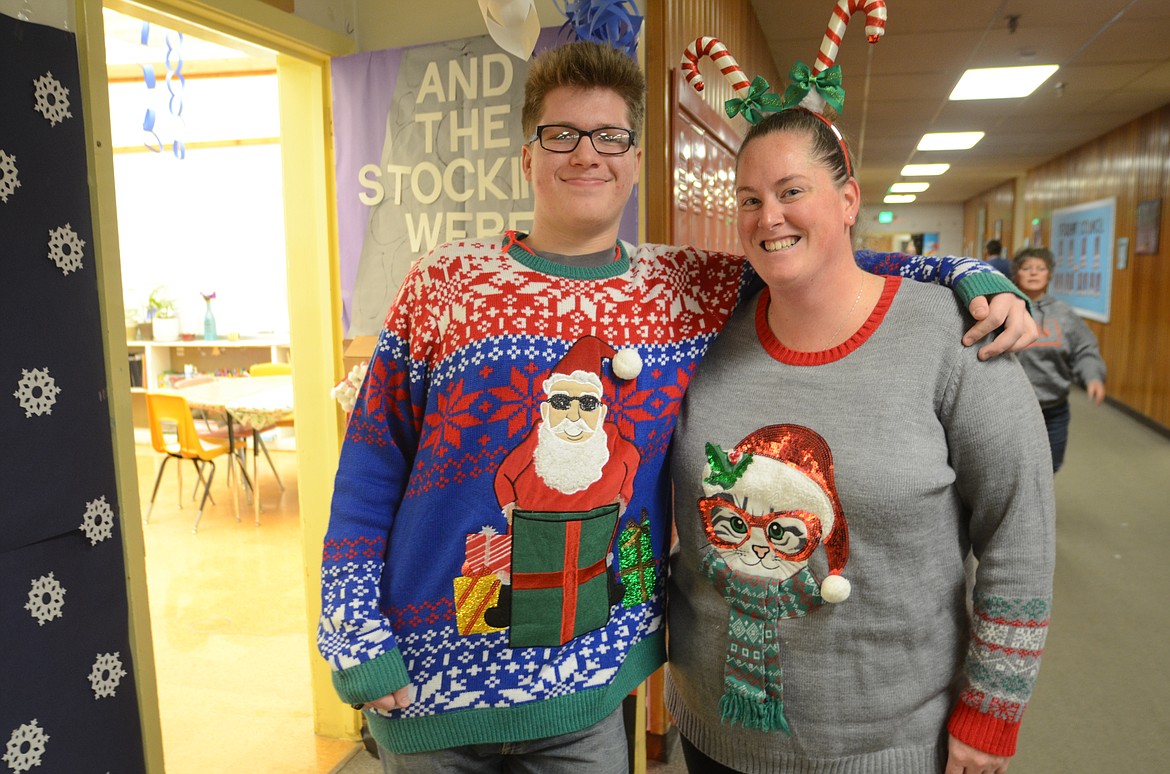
x=627 y=364
x=835 y=589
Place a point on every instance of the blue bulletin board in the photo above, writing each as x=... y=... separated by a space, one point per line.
x=1082 y=241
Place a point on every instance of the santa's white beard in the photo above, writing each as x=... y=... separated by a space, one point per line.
x=570 y=467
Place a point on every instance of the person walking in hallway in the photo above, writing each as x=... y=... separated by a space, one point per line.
x=1066 y=351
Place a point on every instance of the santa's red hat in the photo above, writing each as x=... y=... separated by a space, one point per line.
x=586 y=354
x=803 y=478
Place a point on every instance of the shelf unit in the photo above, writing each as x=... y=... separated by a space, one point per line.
x=162 y=357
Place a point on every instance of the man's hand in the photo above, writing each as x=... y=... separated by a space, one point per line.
x=965 y=759
x=400 y=699
x=1008 y=310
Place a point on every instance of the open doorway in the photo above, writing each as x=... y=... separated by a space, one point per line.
x=197 y=167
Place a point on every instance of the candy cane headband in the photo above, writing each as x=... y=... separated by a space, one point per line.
x=875 y=27
x=820 y=85
x=753 y=99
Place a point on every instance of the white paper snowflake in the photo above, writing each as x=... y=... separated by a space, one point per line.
x=46 y=600
x=37 y=392
x=65 y=248
x=98 y=522
x=26 y=745
x=8 y=180
x=52 y=99
x=107 y=672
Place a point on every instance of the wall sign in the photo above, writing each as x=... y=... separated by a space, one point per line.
x=427 y=142
x=1083 y=241
x=1149 y=216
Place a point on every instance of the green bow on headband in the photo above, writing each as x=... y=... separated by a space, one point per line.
x=828 y=83
x=759 y=100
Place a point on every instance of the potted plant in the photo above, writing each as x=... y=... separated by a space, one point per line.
x=160 y=308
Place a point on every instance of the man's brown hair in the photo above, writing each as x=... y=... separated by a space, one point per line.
x=584 y=65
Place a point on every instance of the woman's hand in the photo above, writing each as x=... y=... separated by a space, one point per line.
x=1008 y=310
x=965 y=759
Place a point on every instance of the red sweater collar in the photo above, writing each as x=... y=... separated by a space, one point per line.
x=788 y=356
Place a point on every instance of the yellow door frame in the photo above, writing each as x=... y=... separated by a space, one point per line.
x=304 y=50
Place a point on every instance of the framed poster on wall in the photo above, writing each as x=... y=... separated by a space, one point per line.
x=1082 y=241
x=1149 y=216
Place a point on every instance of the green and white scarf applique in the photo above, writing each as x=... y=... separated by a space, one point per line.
x=753 y=680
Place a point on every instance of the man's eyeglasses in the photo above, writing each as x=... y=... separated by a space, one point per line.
x=608 y=140
x=562 y=402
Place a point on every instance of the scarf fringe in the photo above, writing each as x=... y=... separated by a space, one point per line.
x=761 y=716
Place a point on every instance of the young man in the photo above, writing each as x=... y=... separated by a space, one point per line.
x=486 y=596
x=993 y=255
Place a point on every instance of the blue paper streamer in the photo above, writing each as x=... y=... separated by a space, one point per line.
x=613 y=22
x=175 y=75
x=149 y=80
x=176 y=82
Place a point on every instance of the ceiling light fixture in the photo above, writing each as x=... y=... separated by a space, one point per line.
x=1002 y=82
x=933 y=141
x=905 y=188
x=899 y=198
x=924 y=170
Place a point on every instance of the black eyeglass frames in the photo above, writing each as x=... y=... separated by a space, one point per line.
x=562 y=402
x=560 y=138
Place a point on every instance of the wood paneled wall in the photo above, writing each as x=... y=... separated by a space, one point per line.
x=998 y=204
x=1132 y=164
x=671 y=25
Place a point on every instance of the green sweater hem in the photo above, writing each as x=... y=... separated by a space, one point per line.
x=532 y=720
x=371 y=680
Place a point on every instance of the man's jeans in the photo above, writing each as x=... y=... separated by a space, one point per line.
x=599 y=749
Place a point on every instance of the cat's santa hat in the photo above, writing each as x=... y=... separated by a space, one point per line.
x=793 y=465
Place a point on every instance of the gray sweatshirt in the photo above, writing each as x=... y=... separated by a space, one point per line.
x=1066 y=350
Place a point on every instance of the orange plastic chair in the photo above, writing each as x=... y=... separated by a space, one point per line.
x=170 y=415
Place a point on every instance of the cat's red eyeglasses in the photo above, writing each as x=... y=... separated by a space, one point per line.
x=794 y=535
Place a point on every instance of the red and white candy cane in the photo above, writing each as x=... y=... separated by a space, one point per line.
x=707 y=46
x=875 y=27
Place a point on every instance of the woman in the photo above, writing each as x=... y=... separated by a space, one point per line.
x=1066 y=350
x=837 y=458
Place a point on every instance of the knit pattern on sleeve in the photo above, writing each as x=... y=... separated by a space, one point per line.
x=1003 y=659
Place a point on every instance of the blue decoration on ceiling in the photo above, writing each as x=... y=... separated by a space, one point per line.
x=615 y=22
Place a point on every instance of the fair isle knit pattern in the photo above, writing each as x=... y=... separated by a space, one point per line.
x=455 y=384
x=1007 y=641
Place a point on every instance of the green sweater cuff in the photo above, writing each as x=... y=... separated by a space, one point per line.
x=373 y=679
x=986 y=283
